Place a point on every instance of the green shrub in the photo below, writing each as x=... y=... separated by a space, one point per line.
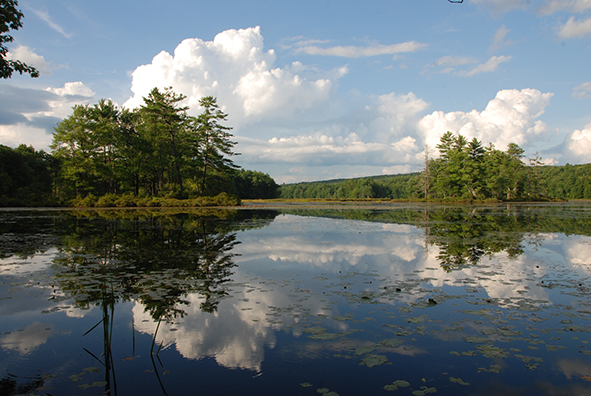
x=106 y=201
x=86 y=202
x=126 y=201
x=225 y=199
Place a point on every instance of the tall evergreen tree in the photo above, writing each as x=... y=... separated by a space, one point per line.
x=215 y=146
x=164 y=126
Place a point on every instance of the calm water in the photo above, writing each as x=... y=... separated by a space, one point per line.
x=401 y=300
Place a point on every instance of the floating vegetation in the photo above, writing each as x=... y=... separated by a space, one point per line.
x=397 y=384
x=326 y=392
x=320 y=333
x=374 y=360
x=491 y=351
x=364 y=349
x=493 y=368
x=458 y=381
x=424 y=390
x=417 y=319
x=476 y=339
x=456 y=291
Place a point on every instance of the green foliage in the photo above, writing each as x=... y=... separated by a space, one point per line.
x=129 y=200
x=467 y=171
x=566 y=182
x=10 y=19
x=87 y=145
x=255 y=185
x=154 y=151
x=214 y=146
x=26 y=176
x=162 y=128
x=378 y=187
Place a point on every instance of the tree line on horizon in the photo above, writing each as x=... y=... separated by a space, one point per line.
x=105 y=156
x=463 y=171
x=158 y=150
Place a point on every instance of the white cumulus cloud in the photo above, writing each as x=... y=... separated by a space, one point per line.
x=30 y=58
x=577 y=146
x=511 y=117
x=292 y=122
x=234 y=68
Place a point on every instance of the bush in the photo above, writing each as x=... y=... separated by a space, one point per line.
x=126 y=201
x=106 y=201
x=225 y=199
x=86 y=202
x=129 y=200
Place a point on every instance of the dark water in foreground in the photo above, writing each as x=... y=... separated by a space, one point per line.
x=401 y=300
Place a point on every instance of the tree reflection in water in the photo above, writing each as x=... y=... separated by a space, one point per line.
x=154 y=258
x=306 y=288
x=465 y=234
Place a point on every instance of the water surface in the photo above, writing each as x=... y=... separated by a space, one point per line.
x=299 y=300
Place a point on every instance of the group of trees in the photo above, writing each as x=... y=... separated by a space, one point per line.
x=567 y=182
x=26 y=175
x=464 y=170
x=387 y=187
x=155 y=150
x=469 y=170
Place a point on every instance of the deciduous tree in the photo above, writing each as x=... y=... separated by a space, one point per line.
x=10 y=19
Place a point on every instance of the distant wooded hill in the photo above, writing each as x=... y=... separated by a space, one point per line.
x=463 y=171
x=554 y=182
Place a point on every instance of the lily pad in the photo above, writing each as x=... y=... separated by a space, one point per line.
x=364 y=349
x=374 y=360
x=397 y=384
x=458 y=381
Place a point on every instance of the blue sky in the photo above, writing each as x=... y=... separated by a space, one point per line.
x=318 y=90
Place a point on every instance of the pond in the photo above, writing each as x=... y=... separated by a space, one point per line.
x=384 y=299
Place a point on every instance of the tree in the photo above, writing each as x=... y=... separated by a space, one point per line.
x=214 y=144
x=534 y=186
x=26 y=176
x=86 y=143
x=427 y=173
x=473 y=167
x=10 y=19
x=255 y=185
x=164 y=124
x=515 y=168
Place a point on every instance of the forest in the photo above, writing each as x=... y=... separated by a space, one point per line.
x=155 y=155
x=463 y=171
